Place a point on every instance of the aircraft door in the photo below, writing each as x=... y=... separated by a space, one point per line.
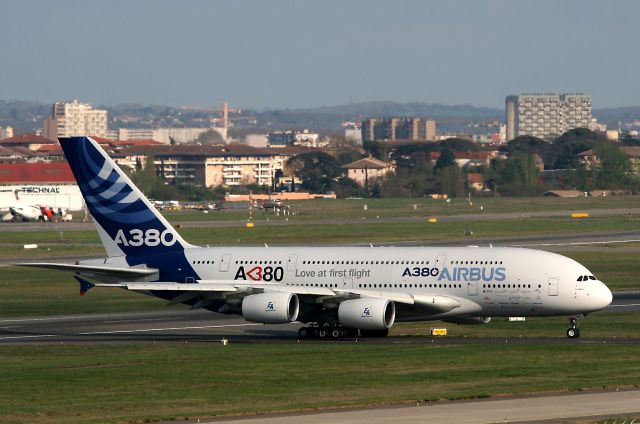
x=441 y=260
x=552 y=284
x=225 y=260
x=473 y=288
x=292 y=263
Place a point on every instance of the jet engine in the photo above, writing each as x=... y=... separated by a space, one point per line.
x=468 y=320
x=367 y=313
x=271 y=307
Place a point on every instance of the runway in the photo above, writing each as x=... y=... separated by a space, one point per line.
x=559 y=408
x=477 y=216
x=181 y=325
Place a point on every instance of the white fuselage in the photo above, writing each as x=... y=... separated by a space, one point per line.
x=488 y=281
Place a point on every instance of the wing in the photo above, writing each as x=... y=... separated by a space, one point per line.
x=429 y=304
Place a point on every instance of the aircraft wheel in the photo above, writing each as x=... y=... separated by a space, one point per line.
x=336 y=333
x=573 y=333
x=323 y=333
x=303 y=332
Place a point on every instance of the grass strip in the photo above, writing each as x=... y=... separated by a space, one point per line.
x=85 y=384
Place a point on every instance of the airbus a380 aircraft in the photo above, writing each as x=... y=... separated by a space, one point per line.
x=333 y=290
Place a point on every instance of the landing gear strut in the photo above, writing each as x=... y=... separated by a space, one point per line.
x=573 y=332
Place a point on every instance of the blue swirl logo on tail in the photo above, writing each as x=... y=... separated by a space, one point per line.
x=132 y=224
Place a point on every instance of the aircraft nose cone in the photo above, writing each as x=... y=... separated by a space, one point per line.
x=601 y=297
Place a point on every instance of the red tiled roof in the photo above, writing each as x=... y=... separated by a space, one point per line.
x=26 y=139
x=368 y=163
x=475 y=178
x=125 y=143
x=48 y=147
x=53 y=172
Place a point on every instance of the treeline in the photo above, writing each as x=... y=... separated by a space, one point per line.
x=516 y=171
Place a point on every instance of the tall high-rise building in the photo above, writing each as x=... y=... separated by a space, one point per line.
x=546 y=116
x=393 y=129
x=6 y=132
x=69 y=119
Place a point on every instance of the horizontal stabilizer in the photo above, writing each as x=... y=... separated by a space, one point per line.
x=93 y=269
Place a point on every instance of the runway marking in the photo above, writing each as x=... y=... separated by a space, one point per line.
x=133 y=320
x=577 y=243
x=70 y=317
x=143 y=330
x=35 y=336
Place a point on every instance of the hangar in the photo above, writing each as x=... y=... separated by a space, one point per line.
x=49 y=184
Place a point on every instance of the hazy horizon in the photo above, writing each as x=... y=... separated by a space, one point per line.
x=291 y=54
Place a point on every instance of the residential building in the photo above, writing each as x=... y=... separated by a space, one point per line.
x=29 y=141
x=165 y=135
x=256 y=140
x=303 y=138
x=396 y=128
x=307 y=138
x=591 y=160
x=281 y=138
x=547 y=116
x=353 y=134
x=73 y=118
x=475 y=181
x=211 y=165
x=6 y=132
x=368 y=170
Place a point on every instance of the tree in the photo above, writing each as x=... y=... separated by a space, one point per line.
x=517 y=175
x=614 y=167
x=317 y=170
x=452 y=181
x=209 y=137
x=447 y=158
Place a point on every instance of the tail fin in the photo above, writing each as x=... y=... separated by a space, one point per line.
x=127 y=222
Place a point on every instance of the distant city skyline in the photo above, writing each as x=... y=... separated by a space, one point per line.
x=301 y=54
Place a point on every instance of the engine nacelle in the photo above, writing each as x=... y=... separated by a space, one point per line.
x=367 y=313
x=468 y=320
x=271 y=307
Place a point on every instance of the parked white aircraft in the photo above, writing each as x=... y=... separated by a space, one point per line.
x=333 y=290
x=19 y=210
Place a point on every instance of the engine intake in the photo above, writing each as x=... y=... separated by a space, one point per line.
x=271 y=307
x=367 y=313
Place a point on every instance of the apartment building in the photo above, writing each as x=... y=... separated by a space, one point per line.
x=547 y=116
x=211 y=165
x=69 y=119
x=398 y=128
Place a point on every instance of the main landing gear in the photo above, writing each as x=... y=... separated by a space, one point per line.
x=336 y=332
x=573 y=332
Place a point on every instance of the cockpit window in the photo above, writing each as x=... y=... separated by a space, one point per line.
x=591 y=277
x=580 y=278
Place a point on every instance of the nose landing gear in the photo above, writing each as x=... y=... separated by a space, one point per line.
x=573 y=331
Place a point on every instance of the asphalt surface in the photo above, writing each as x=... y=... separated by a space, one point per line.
x=180 y=325
x=476 y=216
x=562 y=408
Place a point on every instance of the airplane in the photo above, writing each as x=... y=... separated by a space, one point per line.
x=331 y=291
x=20 y=211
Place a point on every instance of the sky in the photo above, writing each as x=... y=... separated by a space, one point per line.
x=298 y=53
